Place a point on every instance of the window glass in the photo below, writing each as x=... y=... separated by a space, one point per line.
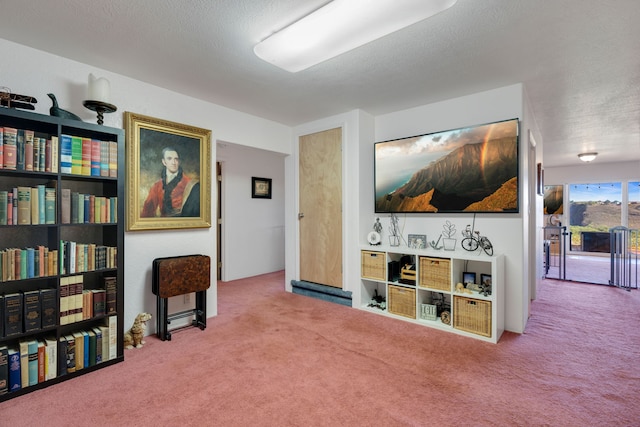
x=593 y=210
x=634 y=205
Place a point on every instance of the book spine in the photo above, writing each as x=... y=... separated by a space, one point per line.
x=20 y=150
x=51 y=359
x=50 y=205
x=95 y=157
x=32 y=316
x=113 y=159
x=4 y=199
x=10 y=148
x=28 y=155
x=76 y=155
x=12 y=314
x=86 y=156
x=65 y=206
x=15 y=379
x=65 y=154
x=54 y=154
x=41 y=361
x=33 y=362
x=35 y=215
x=4 y=370
x=48 y=299
x=24 y=205
x=41 y=205
x=62 y=356
x=10 y=207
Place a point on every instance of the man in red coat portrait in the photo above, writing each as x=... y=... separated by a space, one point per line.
x=174 y=194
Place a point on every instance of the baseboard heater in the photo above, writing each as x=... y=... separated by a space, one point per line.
x=323 y=292
x=180 y=275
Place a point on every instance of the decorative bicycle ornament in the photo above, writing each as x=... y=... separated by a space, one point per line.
x=473 y=241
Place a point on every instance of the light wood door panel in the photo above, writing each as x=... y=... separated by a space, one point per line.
x=320 y=216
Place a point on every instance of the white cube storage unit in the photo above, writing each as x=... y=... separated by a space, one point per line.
x=420 y=286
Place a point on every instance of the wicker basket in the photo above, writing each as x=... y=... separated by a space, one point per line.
x=472 y=315
x=373 y=265
x=435 y=273
x=402 y=301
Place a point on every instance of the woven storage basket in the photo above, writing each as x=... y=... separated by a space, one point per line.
x=373 y=265
x=402 y=301
x=435 y=273
x=472 y=315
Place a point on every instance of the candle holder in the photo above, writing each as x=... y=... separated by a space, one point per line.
x=99 y=107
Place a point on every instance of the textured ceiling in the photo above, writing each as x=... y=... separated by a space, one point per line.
x=579 y=60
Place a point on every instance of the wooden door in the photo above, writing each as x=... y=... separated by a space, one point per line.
x=320 y=216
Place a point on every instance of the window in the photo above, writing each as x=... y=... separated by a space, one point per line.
x=634 y=205
x=593 y=210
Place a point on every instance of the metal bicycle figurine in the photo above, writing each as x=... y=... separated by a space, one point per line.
x=472 y=243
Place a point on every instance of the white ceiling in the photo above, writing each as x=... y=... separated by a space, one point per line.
x=578 y=59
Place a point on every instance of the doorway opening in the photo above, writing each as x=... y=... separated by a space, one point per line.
x=579 y=242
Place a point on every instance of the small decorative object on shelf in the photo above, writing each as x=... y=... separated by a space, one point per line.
x=13 y=100
x=448 y=234
x=56 y=111
x=436 y=244
x=445 y=316
x=472 y=241
x=485 y=284
x=374 y=236
x=99 y=97
x=378 y=301
x=394 y=231
x=417 y=241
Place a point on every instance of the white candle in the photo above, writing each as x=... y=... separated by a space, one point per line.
x=98 y=89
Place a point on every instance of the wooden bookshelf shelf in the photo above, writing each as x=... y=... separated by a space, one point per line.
x=56 y=288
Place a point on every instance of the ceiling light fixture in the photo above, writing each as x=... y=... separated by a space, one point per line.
x=587 y=157
x=340 y=26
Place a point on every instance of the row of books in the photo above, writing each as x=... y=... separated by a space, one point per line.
x=87 y=156
x=28 y=311
x=80 y=208
x=22 y=149
x=78 y=304
x=35 y=361
x=27 y=263
x=28 y=205
x=81 y=257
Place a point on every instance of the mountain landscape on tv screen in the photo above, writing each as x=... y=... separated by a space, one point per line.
x=480 y=177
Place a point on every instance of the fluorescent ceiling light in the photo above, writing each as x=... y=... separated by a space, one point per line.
x=587 y=157
x=340 y=26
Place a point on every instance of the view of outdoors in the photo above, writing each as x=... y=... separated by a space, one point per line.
x=595 y=208
x=634 y=205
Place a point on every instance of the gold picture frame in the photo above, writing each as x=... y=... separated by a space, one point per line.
x=155 y=148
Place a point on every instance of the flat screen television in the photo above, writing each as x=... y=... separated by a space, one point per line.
x=472 y=169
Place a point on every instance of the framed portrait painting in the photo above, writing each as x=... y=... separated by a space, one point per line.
x=168 y=174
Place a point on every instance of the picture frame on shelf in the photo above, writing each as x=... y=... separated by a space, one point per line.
x=468 y=277
x=260 y=188
x=155 y=148
x=485 y=279
x=417 y=241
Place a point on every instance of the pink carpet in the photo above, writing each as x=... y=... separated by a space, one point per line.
x=273 y=358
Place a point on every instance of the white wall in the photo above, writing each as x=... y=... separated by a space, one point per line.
x=31 y=72
x=252 y=229
x=506 y=231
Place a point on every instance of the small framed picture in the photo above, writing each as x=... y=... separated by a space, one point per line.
x=417 y=241
x=260 y=188
x=485 y=279
x=468 y=277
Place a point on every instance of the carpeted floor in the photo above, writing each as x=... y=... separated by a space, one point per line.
x=272 y=358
